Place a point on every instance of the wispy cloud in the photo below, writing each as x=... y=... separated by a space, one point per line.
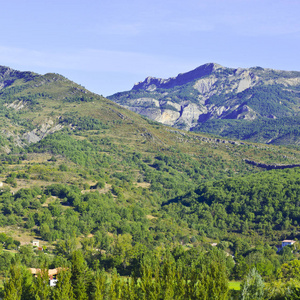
x=119 y=28
x=92 y=60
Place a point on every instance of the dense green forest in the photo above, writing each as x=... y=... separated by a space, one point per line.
x=264 y=203
x=144 y=218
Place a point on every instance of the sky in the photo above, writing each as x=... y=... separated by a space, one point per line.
x=108 y=45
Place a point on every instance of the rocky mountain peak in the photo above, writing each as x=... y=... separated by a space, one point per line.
x=152 y=83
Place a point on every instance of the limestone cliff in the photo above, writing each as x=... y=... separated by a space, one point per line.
x=213 y=92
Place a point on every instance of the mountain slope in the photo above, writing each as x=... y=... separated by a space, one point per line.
x=225 y=101
x=88 y=177
x=34 y=106
x=62 y=141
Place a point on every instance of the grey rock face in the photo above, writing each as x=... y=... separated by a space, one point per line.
x=34 y=136
x=17 y=105
x=42 y=131
x=31 y=137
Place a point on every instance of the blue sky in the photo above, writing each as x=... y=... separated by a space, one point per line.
x=108 y=45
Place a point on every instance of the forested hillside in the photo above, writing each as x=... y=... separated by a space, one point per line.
x=127 y=208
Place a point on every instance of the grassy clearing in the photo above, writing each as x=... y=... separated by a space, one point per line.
x=235 y=285
x=19 y=234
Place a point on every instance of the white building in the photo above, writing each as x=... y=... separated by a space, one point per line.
x=287 y=243
x=35 y=243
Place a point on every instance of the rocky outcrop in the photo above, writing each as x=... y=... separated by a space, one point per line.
x=205 y=85
x=152 y=83
x=242 y=112
x=34 y=136
x=17 y=105
x=245 y=81
x=186 y=116
x=48 y=127
x=16 y=138
x=31 y=137
x=190 y=114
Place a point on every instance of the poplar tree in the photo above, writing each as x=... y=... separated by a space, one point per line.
x=168 y=277
x=79 y=276
x=253 y=286
x=63 y=288
x=150 y=284
x=13 y=287
x=129 y=289
x=41 y=287
x=115 y=287
x=100 y=285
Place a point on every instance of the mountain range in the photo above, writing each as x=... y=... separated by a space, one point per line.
x=79 y=171
x=34 y=107
x=256 y=104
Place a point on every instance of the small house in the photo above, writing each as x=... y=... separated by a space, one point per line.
x=287 y=243
x=35 y=243
x=51 y=274
x=52 y=282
